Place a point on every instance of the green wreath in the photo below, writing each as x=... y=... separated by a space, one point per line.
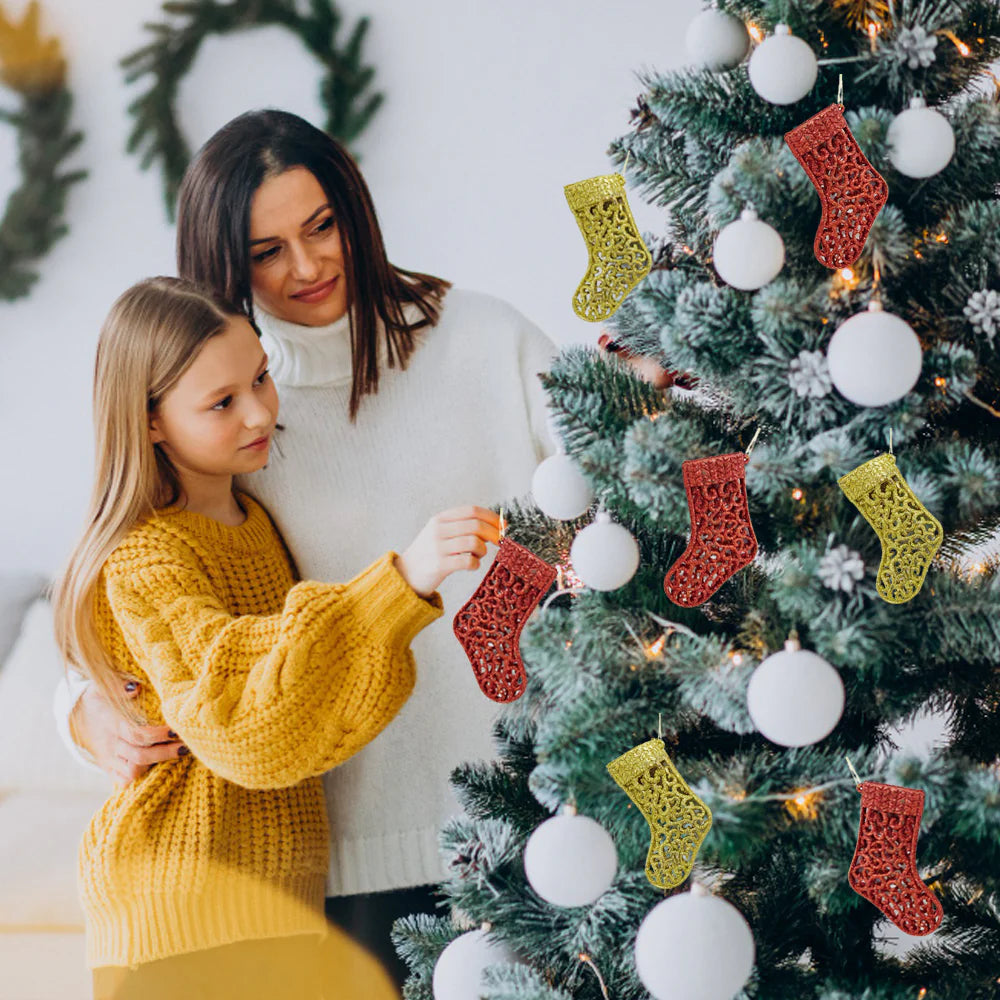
x=33 y=67
x=156 y=134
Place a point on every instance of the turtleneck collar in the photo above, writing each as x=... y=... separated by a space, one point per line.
x=307 y=355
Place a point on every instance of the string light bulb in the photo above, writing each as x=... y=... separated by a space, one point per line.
x=805 y=805
x=798 y=495
x=956 y=41
x=655 y=648
x=873 y=29
x=940 y=381
x=755 y=33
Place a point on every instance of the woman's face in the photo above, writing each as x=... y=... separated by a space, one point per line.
x=297 y=261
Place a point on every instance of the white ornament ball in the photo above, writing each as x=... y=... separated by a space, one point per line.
x=570 y=860
x=795 y=697
x=921 y=140
x=716 y=40
x=604 y=555
x=874 y=358
x=560 y=490
x=782 y=68
x=748 y=253
x=458 y=973
x=694 y=946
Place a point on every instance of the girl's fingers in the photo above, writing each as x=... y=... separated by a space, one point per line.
x=470 y=513
x=461 y=562
x=471 y=526
x=465 y=543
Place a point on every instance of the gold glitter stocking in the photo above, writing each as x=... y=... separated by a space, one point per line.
x=910 y=534
x=678 y=819
x=619 y=259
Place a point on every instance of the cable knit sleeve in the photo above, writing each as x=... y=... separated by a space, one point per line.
x=267 y=701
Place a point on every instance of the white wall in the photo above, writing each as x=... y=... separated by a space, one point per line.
x=490 y=109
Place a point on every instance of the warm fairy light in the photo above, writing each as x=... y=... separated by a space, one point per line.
x=568 y=644
x=755 y=33
x=655 y=648
x=797 y=494
x=957 y=42
x=918 y=255
x=978 y=568
x=737 y=659
x=922 y=993
x=847 y=274
x=569 y=579
x=873 y=30
x=941 y=237
x=804 y=805
x=737 y=794
x=940 y=381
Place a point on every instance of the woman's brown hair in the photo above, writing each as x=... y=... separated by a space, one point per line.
x=213 y=233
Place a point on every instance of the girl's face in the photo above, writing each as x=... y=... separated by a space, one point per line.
x=217 y=419
x=297 y=261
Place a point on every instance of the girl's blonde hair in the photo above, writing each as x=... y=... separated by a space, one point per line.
x=150 y=338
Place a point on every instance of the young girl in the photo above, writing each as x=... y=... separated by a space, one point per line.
x=398 y=394
x=185 y=587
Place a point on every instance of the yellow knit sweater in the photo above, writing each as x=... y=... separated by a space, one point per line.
x=269 y=683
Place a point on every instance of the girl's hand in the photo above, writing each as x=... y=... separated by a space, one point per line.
x=121 y=749
x=452 y=540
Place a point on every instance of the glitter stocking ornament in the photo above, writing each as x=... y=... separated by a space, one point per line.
x=910 y=534
x=722 y=539
x=489 y=624
x=619 y=259
x=678 y=819
x=851 y=191
x=883 y=869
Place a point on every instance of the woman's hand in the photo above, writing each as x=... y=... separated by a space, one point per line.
x=452 y=540
x=120 y=748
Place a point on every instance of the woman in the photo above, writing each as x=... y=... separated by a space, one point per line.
x=398 y=395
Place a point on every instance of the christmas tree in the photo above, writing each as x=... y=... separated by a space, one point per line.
x=829 y=284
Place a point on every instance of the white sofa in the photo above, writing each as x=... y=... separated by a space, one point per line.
x=46 y=801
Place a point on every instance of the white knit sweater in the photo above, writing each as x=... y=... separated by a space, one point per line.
x=464 y=423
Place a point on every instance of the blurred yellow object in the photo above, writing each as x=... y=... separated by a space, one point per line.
x=619 y=259
x=29 y=63
x=328 y=966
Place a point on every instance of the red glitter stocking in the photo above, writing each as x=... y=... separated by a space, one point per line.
x=722 y=539
x=489 y=624
x=851 y=191
x=883 y=869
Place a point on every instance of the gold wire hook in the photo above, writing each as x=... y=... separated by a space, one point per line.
x=659 y=724
x=753 y=441
x=857 y=777
x=840 y=88
x=890 y=440
x=628 y=153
